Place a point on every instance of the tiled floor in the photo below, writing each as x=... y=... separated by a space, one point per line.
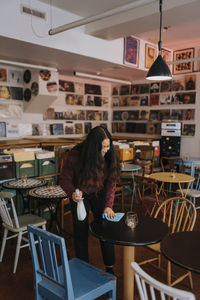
x=20 y=285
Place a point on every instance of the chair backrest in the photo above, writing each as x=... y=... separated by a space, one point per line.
x=147 y=184
x=144 y=156
x=150 y=288
x=178 y=212
x=169 y=164
x=197 y=184
x=8 y=213
x=51 y=256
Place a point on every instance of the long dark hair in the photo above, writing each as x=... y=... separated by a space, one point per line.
x=90 y=160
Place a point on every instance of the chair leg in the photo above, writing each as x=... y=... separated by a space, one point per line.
x=17 y=251
x=190 y=279
x=169 y=273
x=44 y=227
x=159 y=261
x=3 y=243
x=122 y=197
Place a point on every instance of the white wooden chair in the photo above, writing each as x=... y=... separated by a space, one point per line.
x=149 y=288
x=15 y=225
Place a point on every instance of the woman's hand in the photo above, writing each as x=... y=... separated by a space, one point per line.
x=110 y=213
x=77 y=198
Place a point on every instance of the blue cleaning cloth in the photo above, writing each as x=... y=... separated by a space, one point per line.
x=116 y=219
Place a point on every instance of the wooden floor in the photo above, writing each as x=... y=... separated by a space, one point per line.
x=20 y=285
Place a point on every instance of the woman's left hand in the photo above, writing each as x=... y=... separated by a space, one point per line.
x=110 y=213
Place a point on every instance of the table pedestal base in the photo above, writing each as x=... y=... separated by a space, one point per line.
x=128 y=281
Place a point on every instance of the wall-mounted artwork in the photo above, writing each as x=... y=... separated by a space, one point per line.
x=185 y=67
x=190 y=82
x=131 y=51
x=166 y=55
x=3 y=75
x=150 y=55
x=66 y=86
x=189 y=129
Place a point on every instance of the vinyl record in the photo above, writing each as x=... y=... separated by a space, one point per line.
x=150 y=129
x=27 y=95
x=45 y=75
x=27 y=76
x=34 y=88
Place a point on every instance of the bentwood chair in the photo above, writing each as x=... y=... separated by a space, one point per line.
x=172 y=164
x=15 y=225
x=150 y=288
x=57 y=278
x=180 y=215
x=144 y=156
x=146 y=187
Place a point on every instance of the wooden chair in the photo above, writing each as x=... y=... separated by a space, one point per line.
x=144 y=184
x=119 y=193
x=57 y=278
x=17 y=226
x=170 y=164
x=146 y=283
x=180 y=215
x=144 y=156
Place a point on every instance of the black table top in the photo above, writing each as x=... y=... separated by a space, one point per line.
x=183 y=249
x=148 y=231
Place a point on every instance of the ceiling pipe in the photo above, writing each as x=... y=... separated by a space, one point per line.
x=100 y=16
x=24 y=65
x=183 y=61
x=93 y=76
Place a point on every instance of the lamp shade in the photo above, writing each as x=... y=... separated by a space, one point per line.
x=159 y=70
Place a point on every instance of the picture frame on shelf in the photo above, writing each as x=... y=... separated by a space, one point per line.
x=188 y=114
x=143 y=115
x=178 y=84
x=188 y=130
x=150 y=55
x=190 y=82
x=166 y=55
x=131 y=51
x=165 y=99
x=133 y=115
x=187 y=67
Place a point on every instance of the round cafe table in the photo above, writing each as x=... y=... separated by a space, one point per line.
x=182 y=249
x=148 y=231
x=171 y=177
x=23 y=187
x=51 y=197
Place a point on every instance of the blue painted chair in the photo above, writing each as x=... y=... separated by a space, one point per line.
x=57 y=278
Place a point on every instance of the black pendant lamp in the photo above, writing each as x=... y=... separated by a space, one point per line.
x=159 y=70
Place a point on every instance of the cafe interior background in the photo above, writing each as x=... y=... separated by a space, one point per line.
x=36 y=103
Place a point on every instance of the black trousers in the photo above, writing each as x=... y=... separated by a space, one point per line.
x=95 y=203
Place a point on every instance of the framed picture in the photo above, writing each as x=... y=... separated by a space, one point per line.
x=186 y=67
x=150 y=55
x=131 y=51
x=166 y=55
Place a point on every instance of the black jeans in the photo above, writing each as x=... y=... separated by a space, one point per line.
x=95 y=203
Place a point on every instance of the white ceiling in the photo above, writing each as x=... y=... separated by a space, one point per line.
x=182 y=17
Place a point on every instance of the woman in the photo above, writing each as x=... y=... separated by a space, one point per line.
x=93 y=168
